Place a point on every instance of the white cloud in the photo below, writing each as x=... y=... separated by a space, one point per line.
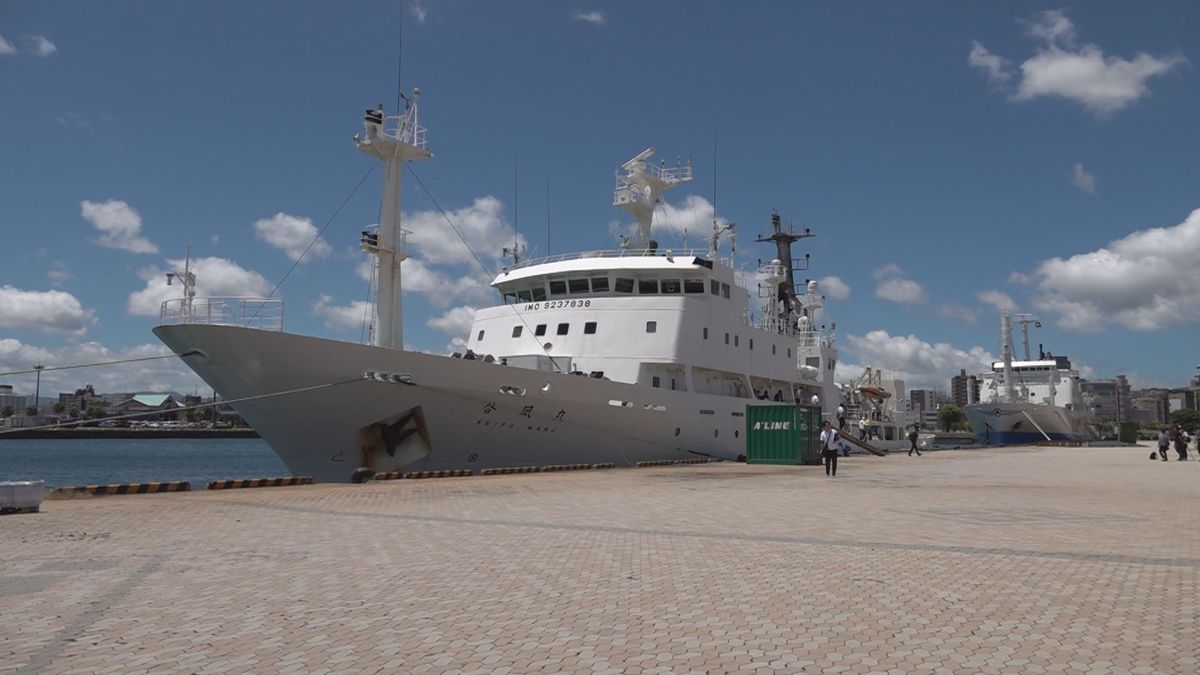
x=894 y=285
x=1146 y=281
x=6 y=47
x=998 y=300
x=1083 y=74
x=920 y=363
x=59 y=273
x=995 y=67
x=419 y=12
x=42 y=46
x=159 y=375
x=455 y=322
x=594 y=17
x=1082 y=179
x=292 y=235
x=342 y=317
x=215 y=277
x=1019 y=278
x=956 y=311
x=694 y=216
x=119 y=224
x=834 y=287
x=482 y=224
x=45 y=311
x=1052 y=26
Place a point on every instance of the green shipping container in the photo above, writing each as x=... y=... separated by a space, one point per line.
x=783 y=434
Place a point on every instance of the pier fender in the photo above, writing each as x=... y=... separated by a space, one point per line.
x=362 y=474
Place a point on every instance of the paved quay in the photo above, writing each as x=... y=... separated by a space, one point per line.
x=990 y=561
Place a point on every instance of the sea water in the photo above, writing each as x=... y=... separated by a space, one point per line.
x=137 y=460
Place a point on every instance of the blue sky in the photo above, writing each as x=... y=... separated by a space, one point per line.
x=951 y=157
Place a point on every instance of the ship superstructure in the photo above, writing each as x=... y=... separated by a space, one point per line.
x=619 y=356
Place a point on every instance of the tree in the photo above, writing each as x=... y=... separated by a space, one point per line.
x=59 y=408
x=7 y=412
x=73 y=412
x=31 y=411
x=1188 y=419
x=96 y=412
x=951 y=416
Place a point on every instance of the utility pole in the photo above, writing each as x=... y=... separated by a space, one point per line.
x=37 y=391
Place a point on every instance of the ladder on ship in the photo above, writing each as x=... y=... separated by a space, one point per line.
x=855 y=441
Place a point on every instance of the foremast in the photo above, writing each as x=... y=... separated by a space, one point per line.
x=394 y=141
x=639 y=191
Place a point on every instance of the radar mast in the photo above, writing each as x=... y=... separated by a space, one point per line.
x=394 y=141
x=639 y=191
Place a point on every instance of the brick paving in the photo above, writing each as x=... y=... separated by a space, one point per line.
x=1020 y=560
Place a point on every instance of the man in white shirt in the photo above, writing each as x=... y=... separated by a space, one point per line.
x=829 y=447
x=841 y=415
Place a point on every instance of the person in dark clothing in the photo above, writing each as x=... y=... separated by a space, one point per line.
x=1180 y=444
x=829 y=447
x=912 y=438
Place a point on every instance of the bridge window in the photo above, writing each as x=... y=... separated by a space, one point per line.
x=510 y=298
x=558 y=287
x=670 y=286
x=693 y=285
x=647 y=286
x=540 y=330
x=563 y=328
x=589 y=328
x=600 y=284
x=539 y=293
x=651 y=326
x=714 y=287
x=524 y=296
x=725 y=291
x=516 y=331
x=578 y=286
x=655 y=382
x=624 y=285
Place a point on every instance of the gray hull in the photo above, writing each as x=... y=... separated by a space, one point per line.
x=455 y=414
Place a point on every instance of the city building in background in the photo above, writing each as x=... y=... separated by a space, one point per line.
x=8 y=399
x=964 y=389
x=1111 y=400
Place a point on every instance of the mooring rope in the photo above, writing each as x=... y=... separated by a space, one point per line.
x=256 y=397
x=93 y=365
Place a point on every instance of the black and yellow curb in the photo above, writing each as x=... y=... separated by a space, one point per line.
x=566 y=467
x=259 y=482
x=389 y=475
x=1060 y=444
x=605 y=465
x=501 y=470
x=445 y=473
x=121 y=489
x=672 y=462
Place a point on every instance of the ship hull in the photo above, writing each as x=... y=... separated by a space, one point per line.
x=310 y=402
x=1025 y=423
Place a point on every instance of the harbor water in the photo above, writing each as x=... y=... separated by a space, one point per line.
x=99 y=461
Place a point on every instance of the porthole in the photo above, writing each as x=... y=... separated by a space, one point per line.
x=736 y=434
x=716 y=433
x=676 y=431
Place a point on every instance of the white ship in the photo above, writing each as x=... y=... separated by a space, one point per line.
x=1031 y=400
x=622 y=356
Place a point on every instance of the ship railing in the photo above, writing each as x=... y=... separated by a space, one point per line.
x=618 y=253
x=258 y=313
x=403 y=129
x=670 y=174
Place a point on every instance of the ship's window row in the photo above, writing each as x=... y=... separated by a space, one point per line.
x=536 y=290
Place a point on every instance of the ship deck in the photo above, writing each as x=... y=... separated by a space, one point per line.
x=997 y=560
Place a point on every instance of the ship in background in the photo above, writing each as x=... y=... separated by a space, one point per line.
x=1030 y=400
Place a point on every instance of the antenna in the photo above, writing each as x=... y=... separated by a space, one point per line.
x=400 y=59
x=547 y=215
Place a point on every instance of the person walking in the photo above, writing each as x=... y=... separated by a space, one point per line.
x=912 y=438
x=841 y=415
x=829 y=447
x=862 y=428
x=1164 y=442
x=1180 y=443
